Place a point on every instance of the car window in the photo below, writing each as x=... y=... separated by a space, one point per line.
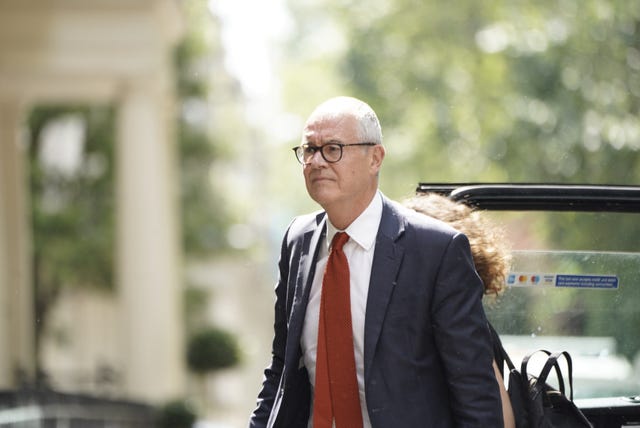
x=574 y=284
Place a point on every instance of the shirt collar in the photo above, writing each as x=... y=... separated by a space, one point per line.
x=362 y=230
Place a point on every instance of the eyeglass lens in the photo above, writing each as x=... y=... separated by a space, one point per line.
x=330 y=152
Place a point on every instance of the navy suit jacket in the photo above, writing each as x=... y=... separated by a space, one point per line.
x=427 y=348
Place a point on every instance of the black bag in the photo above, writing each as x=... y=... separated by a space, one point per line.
x=535 y=403
x=548 y=407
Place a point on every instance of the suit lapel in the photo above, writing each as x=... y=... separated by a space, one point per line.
x=386 y=263
x=304 y=279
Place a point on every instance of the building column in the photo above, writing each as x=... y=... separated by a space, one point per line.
x=148 y=248
x=16 y=291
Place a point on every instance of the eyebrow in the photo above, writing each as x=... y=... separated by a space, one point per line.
x=324 y=143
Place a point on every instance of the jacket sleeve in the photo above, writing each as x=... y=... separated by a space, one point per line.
x=273 y=373
x=463 y=339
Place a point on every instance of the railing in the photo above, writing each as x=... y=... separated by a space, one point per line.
x=26 y=408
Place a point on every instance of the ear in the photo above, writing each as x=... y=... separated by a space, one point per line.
x=376 y=157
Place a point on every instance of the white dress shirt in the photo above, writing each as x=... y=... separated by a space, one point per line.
x=359 y=251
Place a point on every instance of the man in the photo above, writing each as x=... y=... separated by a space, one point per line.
x=420 y=351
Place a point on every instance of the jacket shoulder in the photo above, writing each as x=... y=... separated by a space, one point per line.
x=303 y=224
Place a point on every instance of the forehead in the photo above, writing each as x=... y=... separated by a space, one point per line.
x=324 y=127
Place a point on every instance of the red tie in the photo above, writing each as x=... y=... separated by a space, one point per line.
x=336 y=385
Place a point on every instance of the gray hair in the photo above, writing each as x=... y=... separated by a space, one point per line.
x=369 y=129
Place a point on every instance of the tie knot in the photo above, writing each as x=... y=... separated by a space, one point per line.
x=339 y=239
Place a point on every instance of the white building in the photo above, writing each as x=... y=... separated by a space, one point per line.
x=116 y=52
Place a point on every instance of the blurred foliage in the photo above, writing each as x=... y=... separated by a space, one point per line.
x=72 y=211
x=212 y=349
x=196 y=303
x=205 y=215
x=176 y=414
x=499 y=91
x=67 y=207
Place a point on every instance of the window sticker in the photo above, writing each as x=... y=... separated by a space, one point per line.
x=528 y=279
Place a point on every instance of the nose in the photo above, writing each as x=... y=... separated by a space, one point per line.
x=316 y=158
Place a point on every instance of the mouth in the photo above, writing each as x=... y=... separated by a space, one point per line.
x=315 y=180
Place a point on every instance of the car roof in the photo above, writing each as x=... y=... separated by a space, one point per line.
x=540 y=197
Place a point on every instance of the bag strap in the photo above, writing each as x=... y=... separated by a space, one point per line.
x=526 y=358
x=499 y=351
x=552 y=361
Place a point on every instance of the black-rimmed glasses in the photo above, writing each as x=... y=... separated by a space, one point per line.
x=331 y=152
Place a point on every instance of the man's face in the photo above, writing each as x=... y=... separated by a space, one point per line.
x=351 y=180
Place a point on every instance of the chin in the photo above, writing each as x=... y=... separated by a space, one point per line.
x=322 y=198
